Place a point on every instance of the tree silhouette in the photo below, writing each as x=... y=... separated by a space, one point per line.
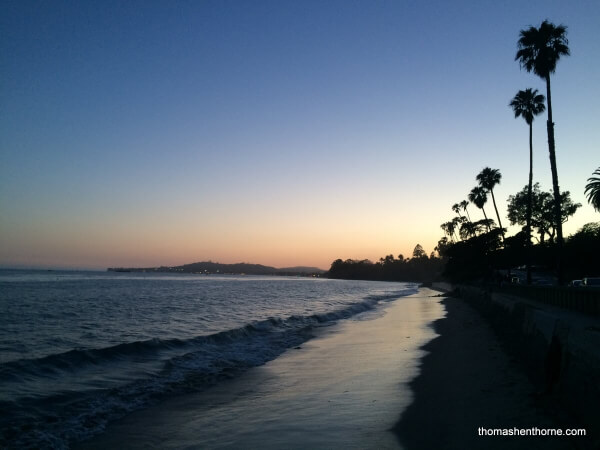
x=539 y=50
x=478 y=197
x=542 y=212
x=481 y=225
x=449 y=229
x=592 y=190
x=418 y=252
x=488 y=178
x=581 y=250
x=528 y=104
x=464 y=205
x=456 y=208
x=467 y=230
x=457 y=223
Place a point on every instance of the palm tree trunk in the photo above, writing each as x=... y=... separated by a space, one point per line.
x=486 y=220
x=459 y=238
x=471 y=232
x=529 y=204
x=497 y=215
x=555 y=187
x=461 y=219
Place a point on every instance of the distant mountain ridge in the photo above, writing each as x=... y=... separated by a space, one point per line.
x=209 y=267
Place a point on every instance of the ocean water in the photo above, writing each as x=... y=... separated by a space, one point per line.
x=81 y=349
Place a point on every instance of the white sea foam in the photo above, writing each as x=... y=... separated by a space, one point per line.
x=104 y=345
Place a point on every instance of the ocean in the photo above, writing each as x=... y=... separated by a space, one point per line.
x=80 y=350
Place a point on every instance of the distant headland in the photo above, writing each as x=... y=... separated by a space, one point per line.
x=212 y=268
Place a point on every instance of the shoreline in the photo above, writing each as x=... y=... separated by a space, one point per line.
x=467 y=381
x=342 y=389
x=445 y=376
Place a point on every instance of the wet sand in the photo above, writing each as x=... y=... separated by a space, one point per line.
x=347 y=388
x=467 y=381
x=343 y=389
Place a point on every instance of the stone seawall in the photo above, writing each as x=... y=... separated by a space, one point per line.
x=559 y=348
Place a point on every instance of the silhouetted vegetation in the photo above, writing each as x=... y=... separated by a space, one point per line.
x=479 y=249
x=473 y=258
x=488 y=179
x=539 y=52
x=592 y=190
x=474 y=252
x=419 y=268
x=581 y=252
x=478 y=196
x=528 y=104
x=542 y=211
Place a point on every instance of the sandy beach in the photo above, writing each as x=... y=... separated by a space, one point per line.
x=467 y=381
x=383 y=381
x=344 y=388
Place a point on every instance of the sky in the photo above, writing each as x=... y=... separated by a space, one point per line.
x=284 y=133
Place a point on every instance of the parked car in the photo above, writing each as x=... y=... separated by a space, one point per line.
x=593 y=282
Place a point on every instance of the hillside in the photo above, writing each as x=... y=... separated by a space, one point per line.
x=209 y=267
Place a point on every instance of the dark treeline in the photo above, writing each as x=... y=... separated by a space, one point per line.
x=420 y=268
x=475 y=249
x=480 y=249
x=481 y=256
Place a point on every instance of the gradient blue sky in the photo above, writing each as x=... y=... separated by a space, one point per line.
x=276 y=132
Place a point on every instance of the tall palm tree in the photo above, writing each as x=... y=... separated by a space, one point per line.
x=444 y=227
x=478 y=196
x=488 y=179
x=539 y=50
x=456 y=209
x=460 y=219
x=528 y=104
x=464 y=205
x=592 y=190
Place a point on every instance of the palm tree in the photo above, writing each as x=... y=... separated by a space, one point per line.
x=467 y=230
x=448 y=228
x=478 y=196
x=592 y=190
x=457 y=222
x=539 y=50
x=456 y=209
x=444 y=227
x=528 y=104
x=452 y=229
x=488 y=178
x=464 y=205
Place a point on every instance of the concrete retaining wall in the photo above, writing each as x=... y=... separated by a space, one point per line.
x=554 y=345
